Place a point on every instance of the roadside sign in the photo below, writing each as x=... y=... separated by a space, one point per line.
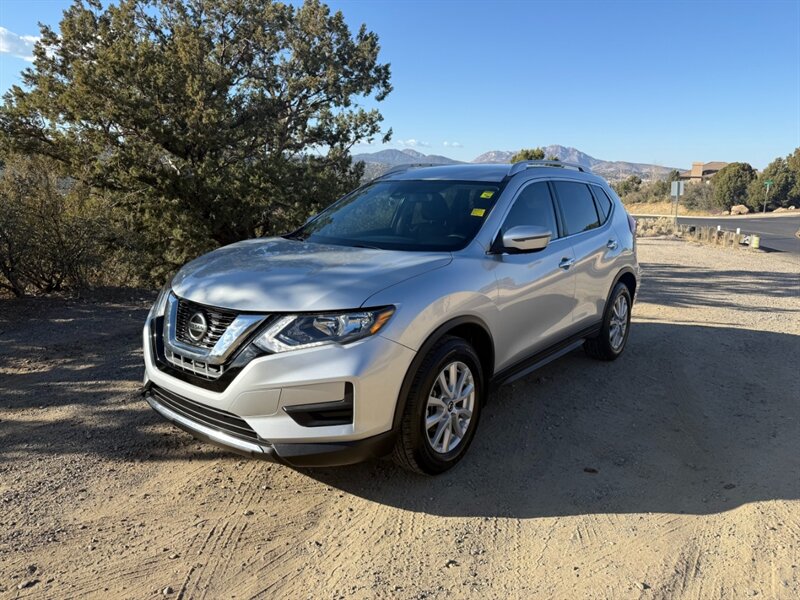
x=767 y=184
x=677 y=191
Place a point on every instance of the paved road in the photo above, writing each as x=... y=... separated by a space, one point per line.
x=777 y=233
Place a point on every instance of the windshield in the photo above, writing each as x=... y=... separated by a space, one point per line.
x=405 y=215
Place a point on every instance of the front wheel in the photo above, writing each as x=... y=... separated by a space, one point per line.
x=442 y=408
x=611 y=340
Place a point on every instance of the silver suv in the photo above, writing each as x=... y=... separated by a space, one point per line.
x=380 y=326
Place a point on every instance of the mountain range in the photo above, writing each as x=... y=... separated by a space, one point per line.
x=377 y=163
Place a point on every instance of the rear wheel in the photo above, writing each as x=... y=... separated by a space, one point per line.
x=613 y=336
x=442 y=408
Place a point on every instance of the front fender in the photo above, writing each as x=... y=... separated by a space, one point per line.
x=467 y=287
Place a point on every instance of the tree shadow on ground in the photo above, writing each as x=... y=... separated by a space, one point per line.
x=690 y=419
x=70 y=371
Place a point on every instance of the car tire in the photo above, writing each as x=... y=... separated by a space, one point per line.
x=610 y=342
x=417 y=448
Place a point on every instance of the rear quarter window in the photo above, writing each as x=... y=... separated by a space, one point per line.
x=603 y=202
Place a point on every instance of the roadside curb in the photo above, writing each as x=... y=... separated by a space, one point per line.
x=769 y=215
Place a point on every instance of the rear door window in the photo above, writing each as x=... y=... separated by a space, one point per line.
x=577 y=206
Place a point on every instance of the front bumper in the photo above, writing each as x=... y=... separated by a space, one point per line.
x=320 y=454
x=276 y=403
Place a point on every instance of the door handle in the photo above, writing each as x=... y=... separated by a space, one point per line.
x=566 y=263
x=612 y=245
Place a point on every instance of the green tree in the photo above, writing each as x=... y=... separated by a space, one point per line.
x=628 y=186
x=211 y=120
x=781 y=192
x=731 y=183
x=674 y=175
x=793 y=162
x=528 y=154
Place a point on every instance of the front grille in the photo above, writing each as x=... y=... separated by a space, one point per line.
x=195 y=367
x=217 y=319
x=211 y=417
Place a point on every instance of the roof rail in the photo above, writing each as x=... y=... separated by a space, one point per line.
x=402 y=168
x=526 y=164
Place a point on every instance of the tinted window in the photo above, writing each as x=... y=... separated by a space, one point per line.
x=533 y=207
x=603 y=201
x=577 y=206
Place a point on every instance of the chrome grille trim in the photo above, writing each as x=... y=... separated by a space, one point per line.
x=195 y=367
x=218 y=322
x=192 y=357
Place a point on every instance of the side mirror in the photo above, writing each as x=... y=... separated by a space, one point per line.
x=526 y=238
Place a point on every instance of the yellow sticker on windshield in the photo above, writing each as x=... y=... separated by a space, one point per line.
x=487 y=194
x=478 y=212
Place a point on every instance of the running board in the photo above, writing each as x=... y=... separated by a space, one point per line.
x=540 y=359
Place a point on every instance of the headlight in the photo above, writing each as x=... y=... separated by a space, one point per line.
x=157 y=310
x=294 y=332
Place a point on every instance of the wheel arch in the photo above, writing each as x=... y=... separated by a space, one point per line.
x=468 y=327
x=626 y=276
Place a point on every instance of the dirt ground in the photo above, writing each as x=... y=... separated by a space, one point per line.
x=673 y=472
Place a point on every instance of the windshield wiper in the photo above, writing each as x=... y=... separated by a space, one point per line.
x=362 y=245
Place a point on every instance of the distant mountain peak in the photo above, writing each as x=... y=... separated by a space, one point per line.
x=393 y=157
x=494 y=156
x=382 y=160
x=611 y=170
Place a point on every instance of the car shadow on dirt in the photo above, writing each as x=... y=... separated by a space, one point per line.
x=691 y=419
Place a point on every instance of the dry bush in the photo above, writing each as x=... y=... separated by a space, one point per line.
x=655 y=227
x=51 y=230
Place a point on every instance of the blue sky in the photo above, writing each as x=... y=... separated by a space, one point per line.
x=660 y=82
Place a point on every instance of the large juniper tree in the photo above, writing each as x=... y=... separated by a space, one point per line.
x=730 y=184
x=210 y=120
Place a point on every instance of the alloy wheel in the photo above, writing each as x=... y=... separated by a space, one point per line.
x=619 y=322
x=449 y=409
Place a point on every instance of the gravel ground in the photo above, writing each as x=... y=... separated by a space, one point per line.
x=673 y=472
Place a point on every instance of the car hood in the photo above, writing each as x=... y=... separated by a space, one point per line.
x=280 y=275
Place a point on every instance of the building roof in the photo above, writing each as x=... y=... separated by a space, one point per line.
x=708 y=168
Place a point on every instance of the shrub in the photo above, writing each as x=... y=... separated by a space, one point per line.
x=655 y=227
x=633 y=191
x=699 y=196
x=50 y=229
